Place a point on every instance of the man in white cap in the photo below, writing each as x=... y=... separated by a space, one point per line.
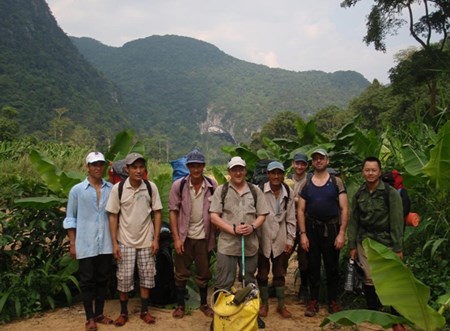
x=276 y=238
x=237 y=208
x=136 y=237
x=90 y=240
x=322 y=219
x=193 y=234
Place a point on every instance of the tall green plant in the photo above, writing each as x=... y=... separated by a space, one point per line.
x=396 y=286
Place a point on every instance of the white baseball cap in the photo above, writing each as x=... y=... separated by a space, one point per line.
x=236 y=161
x=95 y=157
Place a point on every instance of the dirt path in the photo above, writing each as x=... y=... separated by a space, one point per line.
x=72 y=318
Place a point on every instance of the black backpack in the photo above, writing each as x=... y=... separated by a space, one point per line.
x=260 y=174
x=164 y=292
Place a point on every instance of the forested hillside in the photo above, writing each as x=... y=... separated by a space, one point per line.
x=41 y=70
x=170 y=89
x=179 y=86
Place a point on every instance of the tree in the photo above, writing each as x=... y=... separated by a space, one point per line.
x=8 y=123
x=331 y=119
x=282 y=125
x=385 y=18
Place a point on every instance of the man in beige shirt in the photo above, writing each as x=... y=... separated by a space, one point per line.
x=276 y=237
x=135 y=238
x=242 y=210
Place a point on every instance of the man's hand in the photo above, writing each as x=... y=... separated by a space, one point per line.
x=287 y=249
x=339 y=241
x=73 y=251
x=244 y=229
x=155 y=247
x=179 y=247
x=116 y=252
x=305 y=242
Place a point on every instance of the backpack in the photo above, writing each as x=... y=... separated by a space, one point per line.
x=179 y=168
x=260 y=173
x=260 y=177
x=164 y=292
x=394 y=179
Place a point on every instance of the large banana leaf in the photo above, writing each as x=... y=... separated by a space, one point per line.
x=40 y=202
x=438 y=167
x=397 y=287
x=359 y=316
x=56 y=180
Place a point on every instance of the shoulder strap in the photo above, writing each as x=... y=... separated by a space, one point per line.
x=209 y=180
x=121 y=183
x=146 y=182
x=253 y=192
x=226 y=186
x=224 y=192
x=149 y=189
x=288 y=197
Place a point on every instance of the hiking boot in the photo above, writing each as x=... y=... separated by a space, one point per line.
x=303 y=295
x=178 y=312
x=206 y=310
x=398 y=327
x=313 y=308
x=333 y=307
x=284 y=312
x=263 y=310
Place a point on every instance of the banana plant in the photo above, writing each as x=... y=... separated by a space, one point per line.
x=396 y=286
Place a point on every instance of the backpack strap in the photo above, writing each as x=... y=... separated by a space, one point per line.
x=147 y=184
x=209 y=180
x=226 y=186
x=286 y=198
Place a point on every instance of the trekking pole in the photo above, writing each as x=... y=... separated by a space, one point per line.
x=243 y=259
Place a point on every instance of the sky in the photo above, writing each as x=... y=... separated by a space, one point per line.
x=296 y=35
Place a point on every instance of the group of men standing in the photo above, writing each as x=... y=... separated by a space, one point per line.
x=260 y=223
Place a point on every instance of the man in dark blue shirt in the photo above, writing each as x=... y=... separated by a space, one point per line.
x=322 y=219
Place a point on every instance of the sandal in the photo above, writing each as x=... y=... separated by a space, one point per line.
x=147 y=318
x=179 y=312
x=121 y=320
x=90 y=325
x=102 y=319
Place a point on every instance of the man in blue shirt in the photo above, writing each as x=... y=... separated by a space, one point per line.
x=90 y=239
x=322 y=218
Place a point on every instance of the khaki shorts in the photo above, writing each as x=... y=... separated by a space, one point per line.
x=125 y=268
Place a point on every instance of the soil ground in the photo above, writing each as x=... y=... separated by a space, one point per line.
x=72 y=318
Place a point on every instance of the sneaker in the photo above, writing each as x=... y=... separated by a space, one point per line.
x=313 y=308
x=333 y=307
x=263 y=310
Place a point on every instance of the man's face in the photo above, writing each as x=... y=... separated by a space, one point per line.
x=136 y=170
x=299 y=167
x=96 y=169
x=196 y=169
x=371 y=172
x=276 y=177
x=320 y=162
x=237 y=174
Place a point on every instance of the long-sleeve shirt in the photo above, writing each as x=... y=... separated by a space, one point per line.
x=372 y=217
x=182 y=203
x=279 y=228
x=89 y=219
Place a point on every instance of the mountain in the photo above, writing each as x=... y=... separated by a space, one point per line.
x=181 y=87
x=41 y=70
x=171 y=90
